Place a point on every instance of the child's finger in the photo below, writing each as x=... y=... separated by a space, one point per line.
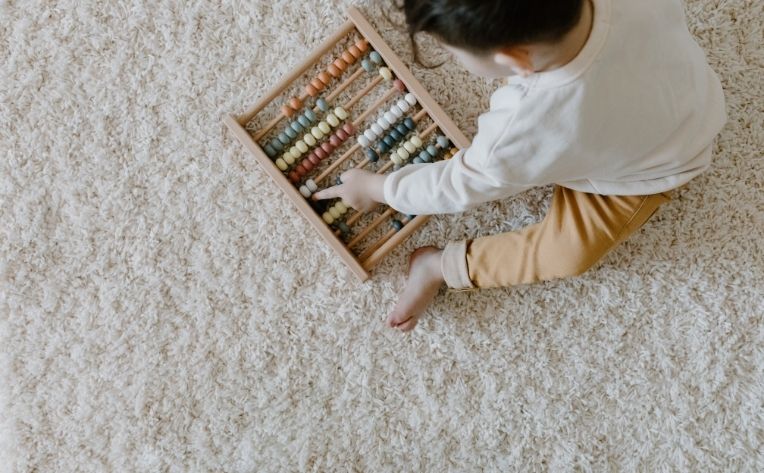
x=328 y=193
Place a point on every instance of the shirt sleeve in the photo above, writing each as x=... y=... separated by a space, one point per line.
x=488 y=170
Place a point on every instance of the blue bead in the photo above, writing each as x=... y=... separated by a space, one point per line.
x=397 y=224
x=303 y=120
x=409 y=123
x=310 y=115
x=432 y=151
x=402 y=129
x=396 y=136
x=375 y=57
x=277 y=145
x=283 y=138
x=389 y=141
x=366 y=64
x=296 y=126
x=411 y=217
x=338 y=180
x=270 y=151
x=425 y=157
x=290 y=133
x=417 y=160
x=443 y=142
x=372 y=155
x=382 y=147
x=321 y=103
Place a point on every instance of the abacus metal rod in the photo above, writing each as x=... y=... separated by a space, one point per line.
x=309 y=62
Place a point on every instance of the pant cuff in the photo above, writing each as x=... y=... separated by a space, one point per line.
x=453 y=264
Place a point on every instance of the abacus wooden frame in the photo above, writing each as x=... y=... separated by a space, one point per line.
x=237 y=125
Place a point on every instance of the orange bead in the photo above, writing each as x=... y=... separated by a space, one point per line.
x=348 y=58
x=295 y=103
x=340 y=64
x=334 y=71
x=325 y=78
x=362 y=44
x=312 y=91
x=287 y=111
x=317 y=84
x=355 y=51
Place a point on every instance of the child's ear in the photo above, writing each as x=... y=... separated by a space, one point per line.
x=516 y=58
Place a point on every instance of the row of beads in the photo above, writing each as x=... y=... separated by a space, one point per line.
x=405 y=151
x=310 y=139
x=431 y=152
x=306 y=119
x=321 y=153
x=324 y=79
x=335 y=213
x=384 y=122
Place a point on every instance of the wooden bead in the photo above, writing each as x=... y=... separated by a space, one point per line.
x=288 y=111
x=312 y=91
x=317 y=84
x=325 y=78
x=340 y=64
x=335 y=71
x=348 y=58
x=295 y=103
x=362 y=44
x=355 y=51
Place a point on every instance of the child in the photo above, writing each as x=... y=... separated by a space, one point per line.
x=610 y=100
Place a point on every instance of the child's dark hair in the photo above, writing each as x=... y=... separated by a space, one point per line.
x=484 y=25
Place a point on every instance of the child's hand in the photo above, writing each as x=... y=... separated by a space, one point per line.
x=360 y=189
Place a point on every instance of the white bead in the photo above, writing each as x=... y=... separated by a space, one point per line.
x=363 y=141
x=385 y=73
x=416 y=141
x=312 y=185
x=411 y=99
x=341 y=207
x=396 y=159
x=409 y=146
x=282 y=164
x=302 y=147
x=309 y=139
x=332 y=120
x=289 y=159
x=317 y=133
x=335 y=212
x=305 y=192
x=378 y=130
x=341 y=113
x=396 y=110
x=403 y=105
x=403 y=153
x=390 y=117
x=383 y=123
x=370 y=135
x=328 y=218
x=324 y=127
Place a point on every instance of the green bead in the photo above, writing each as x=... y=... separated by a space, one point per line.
x=310 y=115
x=375 y=57
x=304 y=122
x=396 y=136
x=296 y=126
x=366 y=64
x=270 y=151
x=443 y=141
x=277 y=145
x=409 y=123
x=291 y=133
x=432 y=151
x=389 y=141
x=283 y=138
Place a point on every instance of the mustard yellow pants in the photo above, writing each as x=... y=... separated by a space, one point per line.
x=577 y=232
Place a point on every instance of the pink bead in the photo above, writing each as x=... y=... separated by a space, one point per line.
x=349 y=128
x=307 y=165
x=342 y=135
x=398 y=84
x=327 y=147
x=320 y=153
x=335 y=141
x=300 y=170
x=314 y=159
x=294 y=178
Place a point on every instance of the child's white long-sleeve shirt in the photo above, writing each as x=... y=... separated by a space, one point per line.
x=635 y=113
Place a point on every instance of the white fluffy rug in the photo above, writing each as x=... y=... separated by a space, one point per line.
x=163 y=308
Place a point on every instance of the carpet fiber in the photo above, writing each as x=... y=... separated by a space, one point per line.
x=163 y=307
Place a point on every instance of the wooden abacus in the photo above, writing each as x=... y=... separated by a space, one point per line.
x=293 y=154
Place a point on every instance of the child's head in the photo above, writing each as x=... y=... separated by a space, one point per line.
x=490 y=36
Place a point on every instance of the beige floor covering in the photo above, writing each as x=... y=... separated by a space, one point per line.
x=163 y=308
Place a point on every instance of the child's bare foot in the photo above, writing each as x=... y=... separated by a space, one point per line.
x=424 y=280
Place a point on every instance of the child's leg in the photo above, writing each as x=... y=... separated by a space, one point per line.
x=577 y=232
